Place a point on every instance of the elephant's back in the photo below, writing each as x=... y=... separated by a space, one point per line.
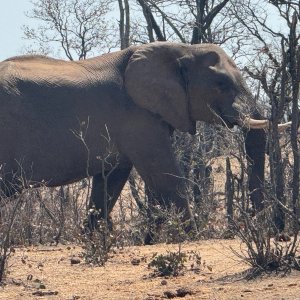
x=18 y=72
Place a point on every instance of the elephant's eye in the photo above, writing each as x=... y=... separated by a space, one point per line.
x=225 y=84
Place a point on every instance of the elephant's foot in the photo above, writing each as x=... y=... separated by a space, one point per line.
x=93 y=221
x=171 y=231
x=149 y=239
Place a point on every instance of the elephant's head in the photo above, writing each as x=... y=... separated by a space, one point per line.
x=183 y=84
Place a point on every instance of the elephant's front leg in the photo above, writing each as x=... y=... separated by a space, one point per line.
x=167 y=188
x=153 y=157
x=162 y=175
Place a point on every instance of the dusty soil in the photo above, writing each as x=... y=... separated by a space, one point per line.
x=37 y=270
x=47 y=273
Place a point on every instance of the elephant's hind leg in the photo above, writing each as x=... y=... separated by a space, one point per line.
x=107 y=187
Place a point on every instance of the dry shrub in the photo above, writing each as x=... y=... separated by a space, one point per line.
x=266 y=249
x=170 y=264
x=47 y=215
x=97 y=244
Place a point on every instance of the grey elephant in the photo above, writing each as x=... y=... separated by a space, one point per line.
x=63 y=121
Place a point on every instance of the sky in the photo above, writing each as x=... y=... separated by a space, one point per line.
x=12 y=17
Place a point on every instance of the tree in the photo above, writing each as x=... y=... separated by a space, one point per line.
x=277 y=69
x=79 y=27
x=124 y=24
x=186 y=21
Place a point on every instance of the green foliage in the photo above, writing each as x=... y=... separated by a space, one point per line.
x=170 y=264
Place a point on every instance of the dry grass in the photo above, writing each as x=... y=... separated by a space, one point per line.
x=123 y=279
x=126 y=274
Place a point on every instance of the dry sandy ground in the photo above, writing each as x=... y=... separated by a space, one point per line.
x=120 y=279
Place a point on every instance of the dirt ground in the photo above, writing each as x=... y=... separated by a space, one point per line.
x=40 y=270
x=47 y=273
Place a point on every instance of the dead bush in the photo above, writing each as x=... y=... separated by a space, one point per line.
x=266 y=250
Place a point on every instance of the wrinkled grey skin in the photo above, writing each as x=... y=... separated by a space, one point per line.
x=59 y=119
x=255 y=146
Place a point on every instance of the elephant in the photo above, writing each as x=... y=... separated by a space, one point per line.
x=64 y=121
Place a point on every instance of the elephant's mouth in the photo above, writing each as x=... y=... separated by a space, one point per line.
x=236 y=118
x=229 y=121
x=244 y=122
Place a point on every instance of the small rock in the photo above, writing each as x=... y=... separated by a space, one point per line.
x=182 y=292
x=209 y=268
x=45 y=293
x=38 y=284
x=29 y=277
x=17 y=282
x=135 y=261
x=40 y=265
x=247 y=291
x=75 y=261
x=164 y=282
x=292 y=284
x=170 y=294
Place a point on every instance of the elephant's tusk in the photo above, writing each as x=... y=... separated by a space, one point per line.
x=264 y=124
x=282 y=127
x=255 y=124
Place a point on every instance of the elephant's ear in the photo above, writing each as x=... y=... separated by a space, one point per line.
x=154 y=82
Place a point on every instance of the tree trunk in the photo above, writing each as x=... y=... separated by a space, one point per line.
x=124 y=23
x=229 y=189
x=294 y=64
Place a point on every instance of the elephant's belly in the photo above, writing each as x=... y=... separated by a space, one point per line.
x=58 y=140
x=55 y=162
